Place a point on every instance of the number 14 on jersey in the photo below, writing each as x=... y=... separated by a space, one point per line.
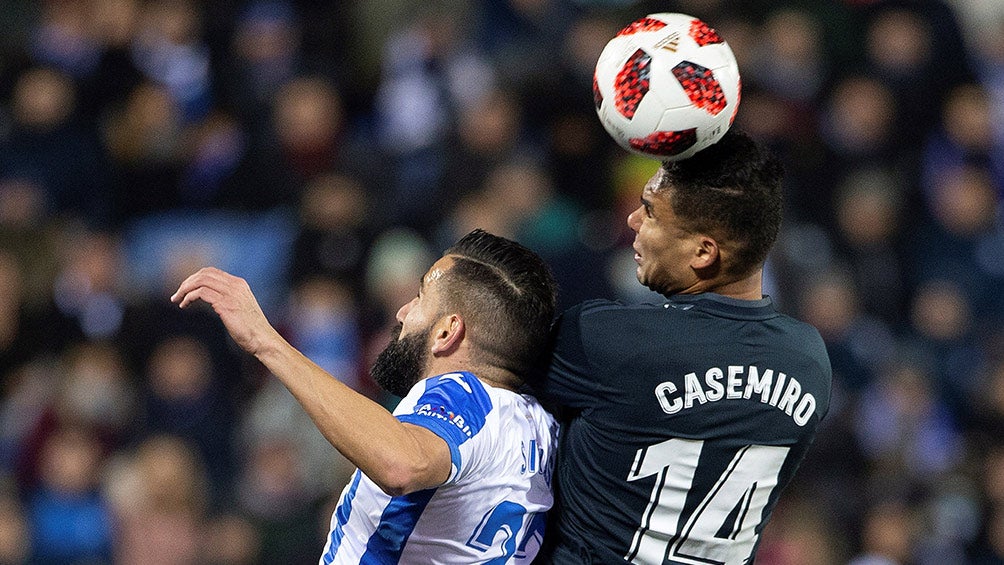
x=721 y=530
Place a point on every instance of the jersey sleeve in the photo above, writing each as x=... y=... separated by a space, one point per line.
x=566 y=377
x=455 y=407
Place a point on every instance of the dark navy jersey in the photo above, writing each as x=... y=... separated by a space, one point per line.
x=686 y=420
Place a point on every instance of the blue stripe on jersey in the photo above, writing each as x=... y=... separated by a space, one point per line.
x=454 y=406
x=342 y=516
x=396 y=524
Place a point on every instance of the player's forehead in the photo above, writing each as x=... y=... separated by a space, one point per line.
x=657 y=190
x=656 y=183
x=434 y=276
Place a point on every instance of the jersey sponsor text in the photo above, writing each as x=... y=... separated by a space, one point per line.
x=446 y=415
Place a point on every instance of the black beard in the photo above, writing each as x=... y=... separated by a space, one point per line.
x=402 y=363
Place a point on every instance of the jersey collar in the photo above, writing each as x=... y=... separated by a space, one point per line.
x=726 y=306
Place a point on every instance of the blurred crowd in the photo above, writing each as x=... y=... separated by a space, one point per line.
x=328 y=151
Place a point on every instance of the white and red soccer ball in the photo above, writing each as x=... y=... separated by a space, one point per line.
x=666 y=86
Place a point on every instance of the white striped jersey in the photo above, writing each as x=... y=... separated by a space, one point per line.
x=492 y=507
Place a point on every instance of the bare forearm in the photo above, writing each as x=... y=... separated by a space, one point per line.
x=362 y=430
x=397 y=456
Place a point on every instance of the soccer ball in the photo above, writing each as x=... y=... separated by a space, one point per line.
x=666 y=86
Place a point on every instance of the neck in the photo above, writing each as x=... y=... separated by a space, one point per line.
x=499 y=378
x=746 y=288
x=488 y=374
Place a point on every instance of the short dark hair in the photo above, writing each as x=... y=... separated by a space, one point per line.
x=507 y=295
x=730 y=190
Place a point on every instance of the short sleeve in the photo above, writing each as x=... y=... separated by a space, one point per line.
x=455 y=407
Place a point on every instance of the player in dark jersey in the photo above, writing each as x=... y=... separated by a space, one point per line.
x=688 y=417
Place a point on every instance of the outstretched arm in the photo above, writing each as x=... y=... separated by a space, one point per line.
x=398 y=457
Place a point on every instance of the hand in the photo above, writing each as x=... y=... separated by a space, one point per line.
x=231 y=298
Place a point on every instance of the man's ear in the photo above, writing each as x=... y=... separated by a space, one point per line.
x=707 y=256
x=448 y=334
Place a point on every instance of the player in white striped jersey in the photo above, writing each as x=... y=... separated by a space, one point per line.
x=491 y=507
x=461 y=472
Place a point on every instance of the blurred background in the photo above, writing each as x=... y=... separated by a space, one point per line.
x=329 y=151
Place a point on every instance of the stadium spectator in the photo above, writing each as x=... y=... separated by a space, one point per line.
x=50 y=145
x=69 y=517
x=869 y=209
x=273 y=493
x=15 y=541
x=333 y=238
x=184 y=397
x=158 y=493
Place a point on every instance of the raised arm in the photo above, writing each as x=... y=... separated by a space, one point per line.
x=399 y=457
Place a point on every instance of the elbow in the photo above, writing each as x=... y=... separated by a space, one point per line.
x=400 y=479
x=393 y=490
x=404 y=467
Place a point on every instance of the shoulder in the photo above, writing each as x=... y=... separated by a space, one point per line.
x=457 y=389
x=805 y=336
x=602 y=305
x=803 y=341
x=608 y=311
x=458 y=402
x=586 y=335
x=456 y=381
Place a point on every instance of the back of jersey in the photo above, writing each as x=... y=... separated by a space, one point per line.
x=688 y=419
